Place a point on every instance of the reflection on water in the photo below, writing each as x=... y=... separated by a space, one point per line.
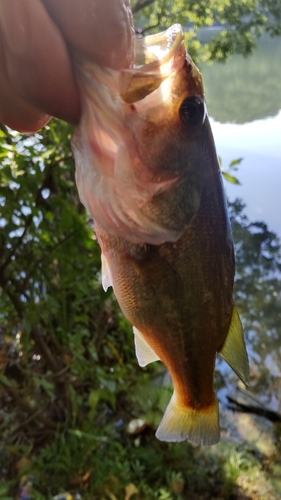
x=244 y=90
x=259 y=144
x=258 y=297
x=244 y=100
x=241 y=96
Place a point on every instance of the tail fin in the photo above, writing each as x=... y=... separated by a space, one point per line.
x=181 y=423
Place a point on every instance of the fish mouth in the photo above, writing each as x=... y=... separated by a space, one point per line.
x=156 y=50
x=158 y=57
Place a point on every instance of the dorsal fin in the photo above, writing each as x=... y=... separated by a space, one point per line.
x=234 y=349
x=144 y=353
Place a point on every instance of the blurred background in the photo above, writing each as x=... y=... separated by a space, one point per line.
x=77 y=414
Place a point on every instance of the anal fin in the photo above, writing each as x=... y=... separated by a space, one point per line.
x=106 y=278
x=144 y=352
x=234 y=349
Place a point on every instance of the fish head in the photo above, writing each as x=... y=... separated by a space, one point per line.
x=167 y=108
x=140 y=149
x=166 y=96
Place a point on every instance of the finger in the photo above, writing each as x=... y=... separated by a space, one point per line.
x=36 y=59
x=14 y=111
x=101 y=29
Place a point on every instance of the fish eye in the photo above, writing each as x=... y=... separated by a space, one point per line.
x=192 y=111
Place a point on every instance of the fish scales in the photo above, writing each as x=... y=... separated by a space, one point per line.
x=181 y=287
x=161 y=221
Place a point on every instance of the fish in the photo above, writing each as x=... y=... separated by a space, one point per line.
x=148 y=174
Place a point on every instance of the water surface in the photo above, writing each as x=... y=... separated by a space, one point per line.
x=244 y=101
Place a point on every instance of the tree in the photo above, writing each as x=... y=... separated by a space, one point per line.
x=60 y=333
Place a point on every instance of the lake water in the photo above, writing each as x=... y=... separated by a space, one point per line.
x=244 y=102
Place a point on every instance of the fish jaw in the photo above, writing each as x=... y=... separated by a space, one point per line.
x=118 y=146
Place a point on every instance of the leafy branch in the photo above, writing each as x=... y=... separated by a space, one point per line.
x=141 y=4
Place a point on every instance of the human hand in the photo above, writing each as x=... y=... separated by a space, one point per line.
x=36 y=74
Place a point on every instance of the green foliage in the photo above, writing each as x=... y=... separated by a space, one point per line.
x=233 y=465
x=69 y=382
x=244 y=90
x=228 y=173
x=61 y=342
x=4 y=492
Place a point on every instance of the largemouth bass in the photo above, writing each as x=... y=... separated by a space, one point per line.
x=147 y=171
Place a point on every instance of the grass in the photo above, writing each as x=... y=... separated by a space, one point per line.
x=117 y=466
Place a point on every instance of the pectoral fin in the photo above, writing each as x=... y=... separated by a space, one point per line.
x=134 y=86
x=234 y=349
x=144 y=353
x=106 y=278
